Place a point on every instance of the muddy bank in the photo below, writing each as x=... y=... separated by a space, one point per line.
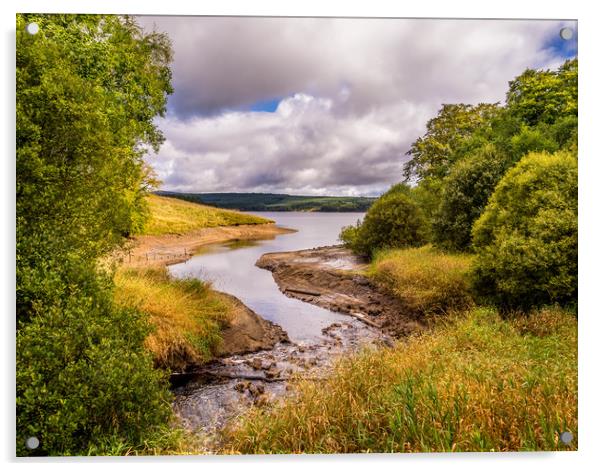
x=168 y=249
x=248 y=332
x=331 y=277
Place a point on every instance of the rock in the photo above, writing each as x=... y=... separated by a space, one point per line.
x=256 y=364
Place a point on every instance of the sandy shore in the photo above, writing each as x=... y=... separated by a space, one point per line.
x=158 y=250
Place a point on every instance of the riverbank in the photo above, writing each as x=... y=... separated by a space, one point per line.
x=193 y=323
x=168 y=249
x=334 y=278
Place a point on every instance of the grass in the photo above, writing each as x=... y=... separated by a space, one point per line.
x=186 y=314
x=476 y=382
x=425 y=279
x=174 y=216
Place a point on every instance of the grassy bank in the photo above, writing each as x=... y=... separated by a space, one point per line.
x=174 y=216
x=425 y=279
x=476 y=382
x=187 y=315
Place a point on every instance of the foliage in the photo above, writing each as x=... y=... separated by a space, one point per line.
x=394 y=220
x=426 y=280
x=465 y=194
x=534 y=119
x=187 y=315
x=83 y=376
x=475 y=383
x=174 y=216
x=432 y=155
x=544 y=96
x=526 y=239
x=88 y=90
x=276 y=202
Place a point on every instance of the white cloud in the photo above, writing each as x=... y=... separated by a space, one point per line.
x=358 y=93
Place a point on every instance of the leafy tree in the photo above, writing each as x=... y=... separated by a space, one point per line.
x=433 y=154
x=526 y=239
x=465 y=193
x=393 y=221
x=88 y=90
x=544 y=96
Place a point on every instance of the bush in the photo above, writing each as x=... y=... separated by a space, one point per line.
x=393 y=221
x=464 y=197
x=426 y=280
x=83 y=377
x=526 y=240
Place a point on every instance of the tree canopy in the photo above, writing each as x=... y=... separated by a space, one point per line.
x=88 y=90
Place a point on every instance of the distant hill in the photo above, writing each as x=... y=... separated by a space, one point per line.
x=276 y=202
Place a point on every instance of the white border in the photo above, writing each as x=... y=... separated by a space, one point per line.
x=589 y=193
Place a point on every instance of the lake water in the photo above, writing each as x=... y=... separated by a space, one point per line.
x=231 y=268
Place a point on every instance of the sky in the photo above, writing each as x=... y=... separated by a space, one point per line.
x=326 y=106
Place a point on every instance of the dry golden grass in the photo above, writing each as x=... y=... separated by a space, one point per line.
x=174 y=216
x=426 y=280
x=187 y=316
x=475 y=383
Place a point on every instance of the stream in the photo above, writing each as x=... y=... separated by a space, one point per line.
x=317 y=335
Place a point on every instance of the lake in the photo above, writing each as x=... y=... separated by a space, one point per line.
x=231 y=268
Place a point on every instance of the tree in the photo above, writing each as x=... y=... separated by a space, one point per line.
x=544 y=96
x=465 y=193
x=526 y=239
x=433 y=154
x=88 y=90
x=393 y=221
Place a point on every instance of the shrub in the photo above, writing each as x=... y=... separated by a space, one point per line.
x=83 y=377
x=464 y=197
x=526 y=240
x=393 y=221
x=426 y=280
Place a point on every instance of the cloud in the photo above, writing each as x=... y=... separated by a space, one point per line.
x=358 y=92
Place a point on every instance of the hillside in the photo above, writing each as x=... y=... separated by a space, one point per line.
x=276 y=202
x=174 y=216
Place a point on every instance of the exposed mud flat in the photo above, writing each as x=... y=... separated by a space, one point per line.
x=331 y=277
x=248 y=332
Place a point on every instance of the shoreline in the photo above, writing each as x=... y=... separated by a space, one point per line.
x=333 y=278
x=168 y=249
x=247 y=331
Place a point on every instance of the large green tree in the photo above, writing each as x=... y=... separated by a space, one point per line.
x=88 y=90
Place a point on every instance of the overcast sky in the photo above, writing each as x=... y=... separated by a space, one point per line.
x=326 y=106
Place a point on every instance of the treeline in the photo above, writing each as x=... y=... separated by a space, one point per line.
x=88 y=88
x=498 y=181
x=276 y=202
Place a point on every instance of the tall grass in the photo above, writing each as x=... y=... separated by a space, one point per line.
x=174 y=216
x=425 y=279
x=476 y=382
x=187 y=315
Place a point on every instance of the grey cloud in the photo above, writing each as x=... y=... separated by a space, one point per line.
x=357 y=93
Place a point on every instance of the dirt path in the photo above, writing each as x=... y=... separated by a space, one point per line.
x=331 y=277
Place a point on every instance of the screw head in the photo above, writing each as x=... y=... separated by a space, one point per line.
x=32 y=28
x=566 y=33
x=32 y=443
x=566 y=438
